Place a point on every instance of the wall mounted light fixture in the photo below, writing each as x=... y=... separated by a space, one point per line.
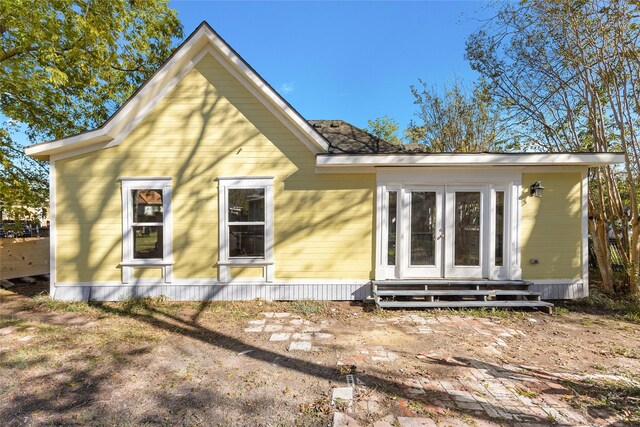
x=536 y=189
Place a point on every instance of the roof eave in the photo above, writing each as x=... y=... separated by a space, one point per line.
x=469 y=160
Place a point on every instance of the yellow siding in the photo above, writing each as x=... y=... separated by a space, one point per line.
x=211 y=126
x=246 y=272
x=551 y=227
x=147 y=273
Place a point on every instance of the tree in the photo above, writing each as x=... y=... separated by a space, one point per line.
x=452 y=120
x=65 y=66
x=385 y=128
x=566 y=74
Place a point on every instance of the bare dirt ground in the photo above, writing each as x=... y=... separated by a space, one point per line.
x=151 y=362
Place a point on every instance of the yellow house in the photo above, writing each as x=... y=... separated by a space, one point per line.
x=207 y=184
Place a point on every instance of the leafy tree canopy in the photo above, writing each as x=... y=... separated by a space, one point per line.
x=385 y=128
x=65 y=66
x=455 y=120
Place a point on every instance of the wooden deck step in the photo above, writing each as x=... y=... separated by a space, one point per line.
x=463 y=304
x=416 y=293
x=452 y=282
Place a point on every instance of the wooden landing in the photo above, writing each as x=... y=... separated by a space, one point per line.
x=447 y=293
x=463 y=304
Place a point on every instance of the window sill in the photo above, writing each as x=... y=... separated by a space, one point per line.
x=246 y=261
x=146 y=263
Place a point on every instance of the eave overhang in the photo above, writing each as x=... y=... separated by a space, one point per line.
x=328 y=162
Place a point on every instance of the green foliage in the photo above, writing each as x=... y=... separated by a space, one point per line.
x=625 y=307
x=65 y=66
x=23 y=181
x=385 y=128
x=453 y=120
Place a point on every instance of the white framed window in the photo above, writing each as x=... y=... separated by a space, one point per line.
x=146 y=226
x=245 y=225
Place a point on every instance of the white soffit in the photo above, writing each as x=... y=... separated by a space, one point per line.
x=328 y=161
x=200 y=42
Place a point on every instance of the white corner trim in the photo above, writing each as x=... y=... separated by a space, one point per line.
x=462 y=159
x=585 y=231
x=52 y=228
x=203 y=41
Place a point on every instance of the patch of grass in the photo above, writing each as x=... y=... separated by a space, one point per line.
x=18 y=324
x=308 y=308
x=22 y=358
x=560 y=311
x=631 y=353
x=45 y=303
x=420 y=408
x=625 y=307
x=616 y=397
x=139 y=304
x=237 y=310
x=525 y=392
x=319 y=408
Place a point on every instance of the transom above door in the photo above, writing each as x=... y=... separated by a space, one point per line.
x=445 y=231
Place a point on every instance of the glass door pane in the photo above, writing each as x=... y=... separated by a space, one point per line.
x=467 y=228
x=423 y=228
x=499 y=237
x=391 y=227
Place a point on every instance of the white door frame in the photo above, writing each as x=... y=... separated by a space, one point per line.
x=408 y=271
x=456 y=271
x=507 y=179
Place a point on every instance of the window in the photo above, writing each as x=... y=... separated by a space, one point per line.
x=246 y=224
x=499 y=237
x=391 y=227
x=146 y=225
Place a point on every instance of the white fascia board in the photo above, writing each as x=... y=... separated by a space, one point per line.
x=482 y=159
x=160 y=84
x=147 y=94
x=44 y=150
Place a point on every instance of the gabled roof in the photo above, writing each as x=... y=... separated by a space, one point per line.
x=202 y=41
x=345 y=138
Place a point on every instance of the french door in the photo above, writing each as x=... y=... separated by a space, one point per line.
x=446 y=231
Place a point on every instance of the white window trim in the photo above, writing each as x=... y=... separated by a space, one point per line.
x=128 y=262
x=225 y=263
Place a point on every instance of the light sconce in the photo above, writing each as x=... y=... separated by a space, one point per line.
x=536 y=189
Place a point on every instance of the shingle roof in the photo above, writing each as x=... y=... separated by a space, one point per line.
x=345 y=138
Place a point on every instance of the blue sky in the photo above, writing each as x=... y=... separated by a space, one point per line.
x=346 y=60
x=353 y=61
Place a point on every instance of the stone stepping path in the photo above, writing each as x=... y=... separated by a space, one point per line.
x=300 y=333
x=505 y=393
x=492 y=334
x=367 y=355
